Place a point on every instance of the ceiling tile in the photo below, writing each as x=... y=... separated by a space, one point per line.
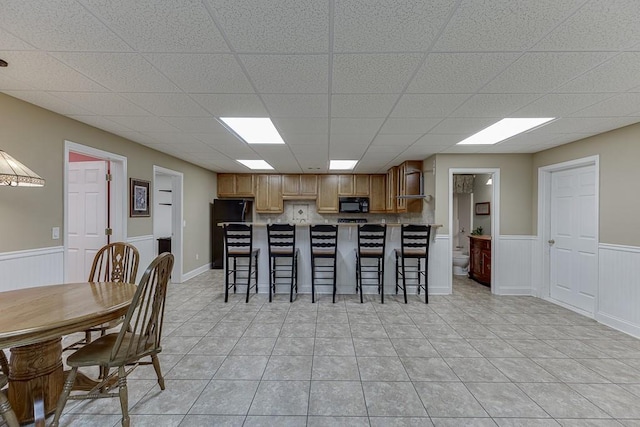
x=395 y=125
x=161 y=25
x=378 y=105
x=359 y=126
x=303 y=141
x=278 y=26
x=560 y=104
x=427 y=105
x=396 y=140
x=354 y=140
x=306 y=125
x=438 y=141
x=50 y=102
x=288 y=73
x=119 y=72
x=10 y=84
x=197 y=124
x=533 y=73
x=620 y=73
x=144 y=124
x=494 y=105
x=365 y=26
x=42 y=71
x=625 y=104
x=297 y=105
x=203 y=73
x=373 y=73
x=167 y=104
x=346 y=152
x=580 y=125
x=231 y=105
x=219 y=140
x=58 y=25
x=502 y=25
x=459 y=72
x=598 y=25
x=11 y=42
x=106 y=104
x=101 y=123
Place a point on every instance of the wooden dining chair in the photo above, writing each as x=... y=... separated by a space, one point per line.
x=118 y=354
x=6 y=412
x=115 y=262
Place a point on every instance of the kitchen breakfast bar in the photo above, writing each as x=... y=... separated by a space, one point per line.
x=346 y=248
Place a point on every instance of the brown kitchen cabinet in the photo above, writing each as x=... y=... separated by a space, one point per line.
x=327 y=201
x=392 y=190
x=409 y=176
x=299 y=186
x=353 y=185
x=236 y=185
x=480 y=259
x=269 y=194
x=378 y=193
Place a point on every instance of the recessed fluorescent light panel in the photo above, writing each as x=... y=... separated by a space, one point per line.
x=505 y=128
x=342 y=164
x=256 y=164
x=254 y=130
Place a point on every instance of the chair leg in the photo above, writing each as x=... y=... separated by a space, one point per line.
x=335 y=258
x=235 y=273
x=6 y=412
x=426 y=279
x=226 y=282
x=87 y=337
x=271 y=277
x=381 y=278
x=124 y=395
x=313 y=279
x=256 y=271
x=404 y=279
x=293 y=273
x=156 y=367
x=249 y=279
x=359 y=278
x=62 y=400
x=397 y=273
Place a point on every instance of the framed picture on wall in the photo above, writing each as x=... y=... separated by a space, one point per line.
x=139 y=198
x=483 y=208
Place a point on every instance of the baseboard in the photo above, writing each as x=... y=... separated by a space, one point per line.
x=515 y=292
x=619 y=324
x=193 y=273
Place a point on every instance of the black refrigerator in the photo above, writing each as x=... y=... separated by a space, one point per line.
x=226 y=210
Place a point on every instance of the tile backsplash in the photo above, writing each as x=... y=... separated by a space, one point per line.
x=305 y=211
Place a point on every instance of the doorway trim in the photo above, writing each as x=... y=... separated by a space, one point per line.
x=117 y=197
x=544 y=225
x=495 y=222
x=177 y=221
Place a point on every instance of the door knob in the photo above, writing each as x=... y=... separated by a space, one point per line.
x=551 y=242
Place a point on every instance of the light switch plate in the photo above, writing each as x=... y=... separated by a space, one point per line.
x=55 y=233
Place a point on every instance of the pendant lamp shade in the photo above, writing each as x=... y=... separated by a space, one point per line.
x=15 y=174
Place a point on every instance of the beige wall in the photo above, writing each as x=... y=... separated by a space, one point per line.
x=36 y=137
x=619 y=152
x=515 y=188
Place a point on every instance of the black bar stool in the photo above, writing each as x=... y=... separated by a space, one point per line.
x=238 y=243
x=371 y=244
x=414 y=240
x=282 y=245
x=324 y=243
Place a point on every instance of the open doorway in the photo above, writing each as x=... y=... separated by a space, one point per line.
x=168 y=217
x=94 y=205
x=474 y=211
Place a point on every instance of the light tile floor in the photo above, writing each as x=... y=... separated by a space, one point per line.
x=469 y=359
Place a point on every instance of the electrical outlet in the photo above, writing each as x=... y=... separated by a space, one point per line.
x=55 y=233
x=197 y=257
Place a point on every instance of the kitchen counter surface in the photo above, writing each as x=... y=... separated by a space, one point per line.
x=348 y=224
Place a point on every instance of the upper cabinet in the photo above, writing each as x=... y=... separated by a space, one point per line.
x=299 y=186
x=269 y=194
x=392 y=190
x=353 y=185
x=236 y=185
x=327 y=201
x=377 y=193
x=409 y=187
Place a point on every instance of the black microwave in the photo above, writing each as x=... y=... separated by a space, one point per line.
x=354 y=204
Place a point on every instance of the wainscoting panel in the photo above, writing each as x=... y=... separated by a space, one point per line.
x=148 y=249
x=619 y=287
x=440 y=267
x=513 y=263
x=30 y=268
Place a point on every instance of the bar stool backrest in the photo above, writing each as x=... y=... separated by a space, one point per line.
x=415 y=239
x=324 y=239
x=238 y=239
x=282 y=239
x=372 y=239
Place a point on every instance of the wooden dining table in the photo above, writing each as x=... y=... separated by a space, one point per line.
x=32 y=323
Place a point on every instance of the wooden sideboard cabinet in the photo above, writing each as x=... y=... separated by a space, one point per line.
x=480 y=259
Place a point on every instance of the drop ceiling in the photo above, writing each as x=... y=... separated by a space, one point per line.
x=377 y=81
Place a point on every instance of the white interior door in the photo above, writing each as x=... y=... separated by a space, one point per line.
x=87 y=210
x=573 y=262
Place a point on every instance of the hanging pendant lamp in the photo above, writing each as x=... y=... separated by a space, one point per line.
x=15 y=174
